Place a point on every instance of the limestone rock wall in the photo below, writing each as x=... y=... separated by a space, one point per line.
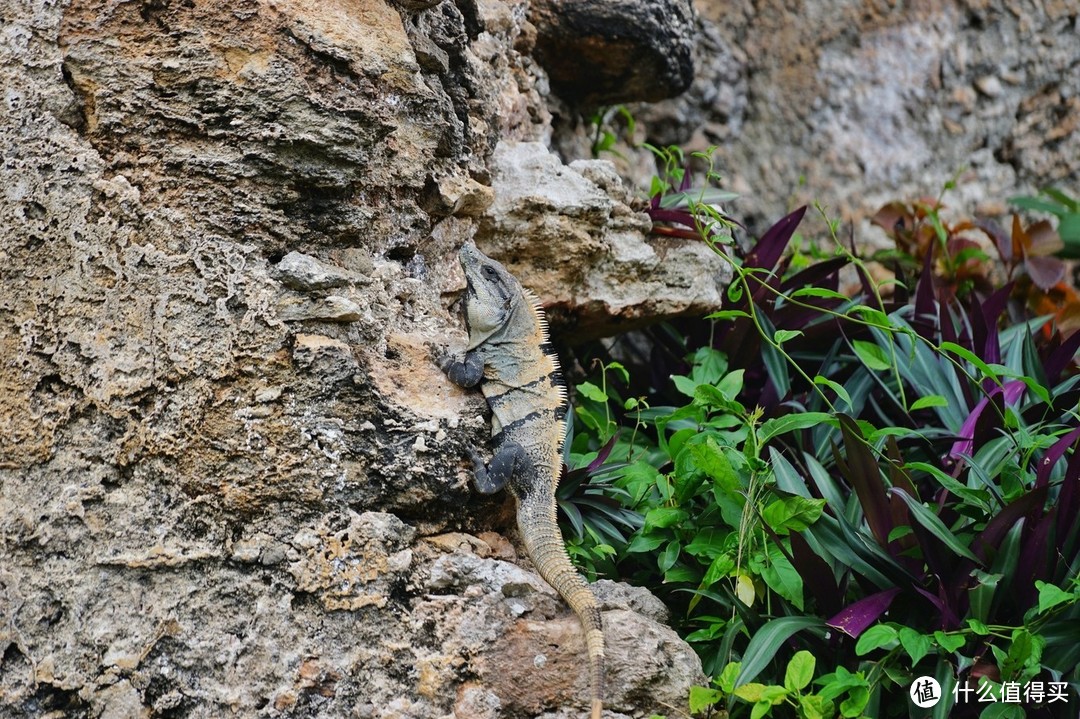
x=854 y=104
x=228 y=469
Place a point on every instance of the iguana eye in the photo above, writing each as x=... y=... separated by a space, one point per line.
x=489 y=272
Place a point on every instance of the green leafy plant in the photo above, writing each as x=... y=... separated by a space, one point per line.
x=605 y=134
x=889 y=479
x=841 y=693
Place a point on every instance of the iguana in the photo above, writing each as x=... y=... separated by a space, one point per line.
x=510 y=354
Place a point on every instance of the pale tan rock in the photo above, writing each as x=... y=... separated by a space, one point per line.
x=585 y=252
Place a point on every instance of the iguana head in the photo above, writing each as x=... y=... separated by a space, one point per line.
x=491 y=295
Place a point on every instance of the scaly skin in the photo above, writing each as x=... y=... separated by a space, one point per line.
x=510 y=355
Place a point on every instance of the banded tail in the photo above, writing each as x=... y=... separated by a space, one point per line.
x=544 y=544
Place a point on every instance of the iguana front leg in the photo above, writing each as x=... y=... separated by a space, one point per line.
x=465 y=373
x=488 y=478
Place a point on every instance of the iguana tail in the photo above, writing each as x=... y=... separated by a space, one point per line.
x=544 y=543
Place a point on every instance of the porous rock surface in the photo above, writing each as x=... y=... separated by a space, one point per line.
x=855 y=104
x=572 y=230
x=228 y=468
x=598 y=53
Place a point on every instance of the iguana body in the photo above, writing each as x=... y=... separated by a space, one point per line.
x=509 y=352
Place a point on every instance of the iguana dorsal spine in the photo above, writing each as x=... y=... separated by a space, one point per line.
x=510 y=357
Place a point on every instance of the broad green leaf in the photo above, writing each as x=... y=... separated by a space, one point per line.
x=685 y=385
x=818 y=292
x=1025 y=650
x=707 y=395
x=750 y=692
x=932 y=522
x=857 y=700
x=726 y=679
x=645 y=543
x=774 y=694
x=949 y=642
x=782 y=577
x=871 y=355
x=800 y=671
x=841 y=393
x=699 y=196
x=709 y=365
x=981 y=596
x=1051 y=596
x=679 y=440
x=702 y=698
x=877 y=636
x=1035 y=204
x=744 y=589
x=915 y=644
x=767 y=641
x=975 y=496
x=791 y=423
x=709 y=543
x=783 y=336
x=682 y=575
x=978 y=627
x=792 y=514
x=638 y=479
x=732 y=384
x=618 y=368
x=666 y=560
x=931 y=400
x=593 y=420
x=1069 y=231
x=1001 y=710
x=761 y=709
x=1066 y=201
x=900 y=532
x=727 y=315
x=663 y=517
x=874 y=317
x=813 y=706
x=591 y=391
x=840 y=681
x=971 y=357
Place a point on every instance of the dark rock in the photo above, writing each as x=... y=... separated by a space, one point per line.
x=611 y=52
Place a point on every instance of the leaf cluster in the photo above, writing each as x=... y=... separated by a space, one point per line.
x=886 y=478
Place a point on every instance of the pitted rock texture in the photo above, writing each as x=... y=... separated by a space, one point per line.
x=570 y=234
x=857 y=104
x=527 y=648
x=226 y=232
x=600 y=53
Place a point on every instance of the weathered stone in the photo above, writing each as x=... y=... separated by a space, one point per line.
x=208 y=509
x=307 y=274
x=855 y=105
x=617 y=595
x=329 y=309
x=525 y=646
x=600 y=53
x=585 y=252
x=356 y=565
x=989 y=85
